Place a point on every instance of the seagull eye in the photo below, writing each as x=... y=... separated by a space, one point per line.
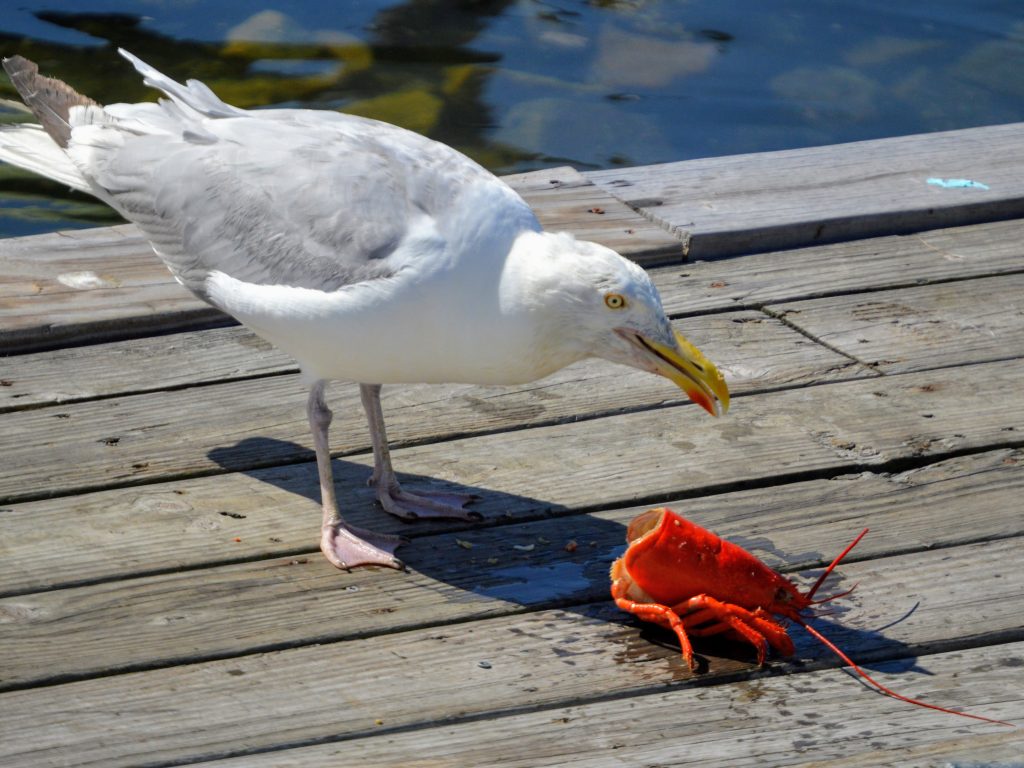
x=615 y=301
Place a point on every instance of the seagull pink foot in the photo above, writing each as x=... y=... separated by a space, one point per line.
x=347 y=546
x=407 y=505
x=344 y=545
x=413 y=505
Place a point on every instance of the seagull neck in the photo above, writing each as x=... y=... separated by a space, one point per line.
x=537 y=292
x=528 y=280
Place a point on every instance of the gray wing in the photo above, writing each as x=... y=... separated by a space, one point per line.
x=294 y=197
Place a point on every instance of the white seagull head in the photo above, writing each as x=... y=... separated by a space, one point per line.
x=606 y=306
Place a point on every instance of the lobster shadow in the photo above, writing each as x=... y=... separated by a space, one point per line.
x=868 y=648
x=530 y=552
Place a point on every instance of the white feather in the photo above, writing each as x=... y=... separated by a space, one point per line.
x=27 y=146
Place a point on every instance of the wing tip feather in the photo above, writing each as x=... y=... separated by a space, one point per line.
x=49 y=99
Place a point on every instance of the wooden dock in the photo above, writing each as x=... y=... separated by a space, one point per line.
x=163 y=603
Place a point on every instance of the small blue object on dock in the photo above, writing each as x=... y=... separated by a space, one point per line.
x=957 y=183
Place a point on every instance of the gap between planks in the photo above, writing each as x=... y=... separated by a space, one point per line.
x=927 y=327
x=860 y=266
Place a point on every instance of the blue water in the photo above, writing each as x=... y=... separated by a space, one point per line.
x=524 y=84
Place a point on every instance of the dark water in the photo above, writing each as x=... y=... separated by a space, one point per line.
x=525 y=84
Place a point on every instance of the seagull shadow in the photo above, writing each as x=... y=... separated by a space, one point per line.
x=525 y=550
x=533 y=553
x=292 y=468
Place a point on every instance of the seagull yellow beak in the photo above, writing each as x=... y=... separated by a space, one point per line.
x=691 y=371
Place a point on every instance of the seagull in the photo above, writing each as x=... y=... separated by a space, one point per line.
x=366 y=252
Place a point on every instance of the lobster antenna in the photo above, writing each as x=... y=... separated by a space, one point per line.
x=884 y=689
x=837 y=561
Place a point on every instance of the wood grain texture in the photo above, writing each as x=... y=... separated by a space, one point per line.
x=771 y=722
x=724 y=206
x=88 y=285
x=479 y=573
x=861 y=265
x=539 y=659
x=565 y=200
x=929 y=327
x=133 y=366
x=150 y=436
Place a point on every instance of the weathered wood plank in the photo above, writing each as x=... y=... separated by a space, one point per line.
x=133 y=366
x=539 y=659
x=770 y=722
x=939 y=325
x=829 y=270
x=660 y=454
x=565 y=200
x=772 y=200
x=93 y=285
x=145 y=437
x=88 y=285
x=237 y=609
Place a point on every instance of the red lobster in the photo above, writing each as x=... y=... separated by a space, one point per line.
x=685 y=578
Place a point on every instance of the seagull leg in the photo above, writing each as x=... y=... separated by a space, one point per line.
x=405 y=504
x=344 y=545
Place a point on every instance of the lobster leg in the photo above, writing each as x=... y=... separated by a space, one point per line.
x=756 y=627
x=753 y=627
x=777 y=635
x=664 y=616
